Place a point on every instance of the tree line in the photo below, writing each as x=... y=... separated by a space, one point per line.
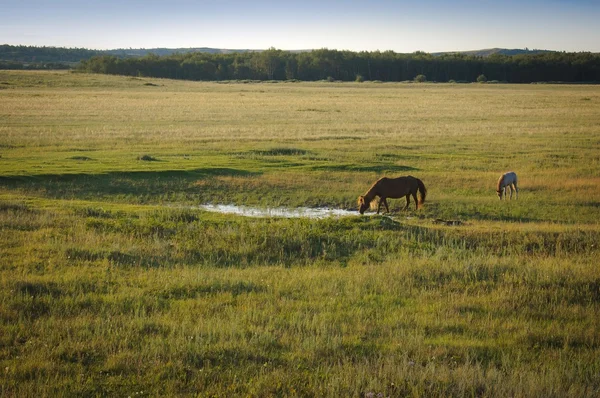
x=33 y=57
x=15 y=65
x=35 y=54
x=322 y=64
x=325 y=64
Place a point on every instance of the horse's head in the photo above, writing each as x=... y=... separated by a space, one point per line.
x=499 y=192
x=362 y=205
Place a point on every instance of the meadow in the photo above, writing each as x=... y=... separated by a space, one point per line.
x=113 y=282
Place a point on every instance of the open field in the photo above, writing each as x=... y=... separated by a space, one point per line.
x=113 y=281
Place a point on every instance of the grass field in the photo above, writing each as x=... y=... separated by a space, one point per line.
x=114 y=283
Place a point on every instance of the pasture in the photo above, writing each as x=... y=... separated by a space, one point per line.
x=113 y=282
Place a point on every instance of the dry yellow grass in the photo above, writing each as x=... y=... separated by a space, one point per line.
x=113 y=282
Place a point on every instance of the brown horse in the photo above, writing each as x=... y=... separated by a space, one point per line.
x=393 y=188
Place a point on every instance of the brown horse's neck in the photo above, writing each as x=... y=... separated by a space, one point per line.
x=371 y=193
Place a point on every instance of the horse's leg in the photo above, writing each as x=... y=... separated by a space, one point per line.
x=414 y=195
x=384 y=201
x=510 y=190
x=387 y=209
x=407 y=202
x=516 y=191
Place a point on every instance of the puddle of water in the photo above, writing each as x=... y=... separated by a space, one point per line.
x=299 y=212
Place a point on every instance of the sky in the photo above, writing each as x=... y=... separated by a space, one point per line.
x=401 y=26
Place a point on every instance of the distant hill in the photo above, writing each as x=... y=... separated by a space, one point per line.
x=35 y=57
x=69 y=56
x=492 y=51
x=140 y=52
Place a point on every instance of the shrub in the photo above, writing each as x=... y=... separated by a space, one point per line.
x=481 y=78
x=420 y=78
x=359 y=79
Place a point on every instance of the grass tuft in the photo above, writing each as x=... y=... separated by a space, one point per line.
x=281 y=152
x=147 y=158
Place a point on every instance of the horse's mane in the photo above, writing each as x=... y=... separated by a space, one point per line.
x=500 y=180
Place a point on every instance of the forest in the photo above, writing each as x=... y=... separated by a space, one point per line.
x=34 y=57
x=325 y=64
x=315 y=65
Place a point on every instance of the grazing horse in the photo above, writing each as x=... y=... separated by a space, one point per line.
x=393 y=188
x=507 y=180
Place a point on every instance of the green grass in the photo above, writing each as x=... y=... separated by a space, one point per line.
x=113 y=282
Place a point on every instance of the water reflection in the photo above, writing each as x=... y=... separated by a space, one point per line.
x=298 y=212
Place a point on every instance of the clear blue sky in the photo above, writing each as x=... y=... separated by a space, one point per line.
x=401 y=26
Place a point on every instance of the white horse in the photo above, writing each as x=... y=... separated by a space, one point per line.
x=507 y=180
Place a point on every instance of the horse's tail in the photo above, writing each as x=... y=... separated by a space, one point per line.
x=422 y=191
